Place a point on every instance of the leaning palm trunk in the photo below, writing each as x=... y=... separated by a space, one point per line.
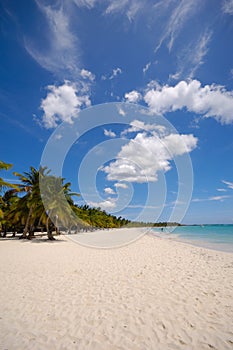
x=26 y=228
x=49 y=231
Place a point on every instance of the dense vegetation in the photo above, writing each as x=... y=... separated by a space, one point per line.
x=27 y=208
x=24 y=208
x=152 y=224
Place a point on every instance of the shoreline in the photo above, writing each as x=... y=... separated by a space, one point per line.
x=216 y=246
x=82 y=238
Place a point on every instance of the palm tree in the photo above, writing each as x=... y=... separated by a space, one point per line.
x=47 y=199
x=57 y=199
x=11 y=220
x=4 y=184
x=31 y=204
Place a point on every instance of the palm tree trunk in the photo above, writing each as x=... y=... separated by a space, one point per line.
x=49 y=232
x=31 y=232
x=26 y=228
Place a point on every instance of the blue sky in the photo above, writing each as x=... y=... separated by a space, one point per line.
x=172 y=57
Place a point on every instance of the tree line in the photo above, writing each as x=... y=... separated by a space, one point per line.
x=45 y=202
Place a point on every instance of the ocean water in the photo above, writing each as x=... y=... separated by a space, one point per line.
x=218 y=237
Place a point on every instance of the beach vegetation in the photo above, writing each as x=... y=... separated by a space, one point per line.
x=44 y=202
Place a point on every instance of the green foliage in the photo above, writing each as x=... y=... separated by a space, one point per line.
x=44 y=200
x=99 y=218
x=4 y=184
x=152 y=224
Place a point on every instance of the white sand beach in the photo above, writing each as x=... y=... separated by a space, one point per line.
x=151 y=294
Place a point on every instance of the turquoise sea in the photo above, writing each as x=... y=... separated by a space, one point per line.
x=218 y=237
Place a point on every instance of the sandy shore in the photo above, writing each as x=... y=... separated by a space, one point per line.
x=153 y=294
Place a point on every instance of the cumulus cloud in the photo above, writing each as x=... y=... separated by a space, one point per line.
x=109 y=133
x=62 y=104
x=210 y=101
x=109 y=190
x=108 y=204
x=121 y=111
x=175 y=76
x=227 y=7
x=115 y=73
x=85 y=74
x=120 y=185
x=144 y=156
x=138 y=125
x=133 y=96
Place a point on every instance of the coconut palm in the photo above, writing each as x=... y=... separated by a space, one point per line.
x=47 y=200
x=30 y=205
x=4 y=184
x=12 y=219
x=57 y=199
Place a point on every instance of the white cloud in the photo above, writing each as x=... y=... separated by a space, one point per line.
x=218 y=198
x=134 y=8
x=175 y=76
x=143 y=206
x=138 y=125
x=58 y=136
x=133 y=96
x=211 y=100
x=121 y=111
x=109 y=203
x=62 y=53
x=199 y=51
x=144 y=156
x=179 y=144
x=180 y=14
x=109 y=133
x=221 y=190
x=227 y=7
x=128 y=7
x=120 y=185
x=147 y=66
x=115 y=73
x=213 y=198
x=197 y=200
x=116 y=6
x=62 y=104
x=192 y=57
x=85 y=3
x=109 y=190
x=228 y=183
x=85 y=74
